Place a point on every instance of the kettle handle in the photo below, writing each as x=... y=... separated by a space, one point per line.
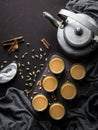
x=65 y=13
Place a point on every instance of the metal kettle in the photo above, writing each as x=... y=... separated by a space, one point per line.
x=77 y=32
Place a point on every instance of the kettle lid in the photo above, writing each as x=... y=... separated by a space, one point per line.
x=76 y=34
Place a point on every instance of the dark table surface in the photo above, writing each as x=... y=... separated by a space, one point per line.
x=25 y=18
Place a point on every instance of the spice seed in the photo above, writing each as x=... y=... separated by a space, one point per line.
x=35 y=75
x=28 y=62
x=26 y=84
x=28 y=79
x=5 y=62
x=30 y=84
x=33 y=72
x=40 y=88
x=45 y=54
x=38 y=71
x=41 y=65
x=19 y=64
x=34 y=80
x=44 y=75
x=27 y=69
x=33 y=50
x=41 y=49
x=36 y=56
x=22 y=65
x=35 y=92
x=28 y=43
x=23 y=56
x=46 y=59
x=1 y=66
x=31 y=98
x=22 y=77
x=35 y=67
x=20 y=73
x=25 y=53
x=16 y=56
x=33 y=57
x=30 y=74
x=38 y=83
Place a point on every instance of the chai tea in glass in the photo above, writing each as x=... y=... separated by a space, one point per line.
x=77 y=71
x=49 y=83
x=57 y=111
x=40 y=102
x=56 y=65
x=68 y=91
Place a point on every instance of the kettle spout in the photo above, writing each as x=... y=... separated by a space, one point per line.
x=53 y=20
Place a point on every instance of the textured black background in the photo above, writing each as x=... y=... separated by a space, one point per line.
x=24 y=17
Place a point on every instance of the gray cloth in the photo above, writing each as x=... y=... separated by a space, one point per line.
x=84 y=118
x=16 y=112
x=89 y=7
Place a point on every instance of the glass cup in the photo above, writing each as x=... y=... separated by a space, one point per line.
x=68 y=91
x=57 y=111
x=50 y=83
x=56 y=65
x=40 y=102
x=77 y=71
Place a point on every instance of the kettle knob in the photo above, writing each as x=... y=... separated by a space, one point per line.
x=78 y=31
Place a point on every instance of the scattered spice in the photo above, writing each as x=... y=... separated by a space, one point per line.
x=23 y=56
x=19 y=64
x=38 y=71
x=30 y=84
x=35 y=92
x=10 y=41
x=38 y=83
x=35 y=67
x=13 y=43
x=33 y=50
x=41 y=49
x=30 y=76
x=22 y=65
x=26 y=84
x=28 y=44
x=28 y=63
x=16 y=57
x=22 y=77
x=28 y=79
x=27 y=92
x=33 y=57
x=13 y=47
x=1 y=66
x=40 y=88
x=45 y=43
x=5 y=62
x=34 y=80
x=41 y=56
x=36 y=56
x=46 y=59
x=30 y=73
x=27 y=69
